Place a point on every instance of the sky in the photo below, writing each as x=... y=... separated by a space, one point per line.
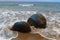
x=34 y=0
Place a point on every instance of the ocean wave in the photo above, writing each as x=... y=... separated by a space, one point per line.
x=16 y=4
x=26 y=4
x=8 y=16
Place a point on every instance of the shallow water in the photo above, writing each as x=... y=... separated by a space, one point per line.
x=52 y=17
x=13 y=12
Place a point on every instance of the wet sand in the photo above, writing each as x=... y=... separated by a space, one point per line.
x=29 y=36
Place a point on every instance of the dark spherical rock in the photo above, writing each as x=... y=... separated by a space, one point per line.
x=37 y=20
x=22 y=27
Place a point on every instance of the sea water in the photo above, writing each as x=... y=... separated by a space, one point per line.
x=31 y=6
x=11 y=12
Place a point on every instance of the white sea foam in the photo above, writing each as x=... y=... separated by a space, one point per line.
x=9 y=17
x=26 y=4
x=52 y=31
x=53 y=22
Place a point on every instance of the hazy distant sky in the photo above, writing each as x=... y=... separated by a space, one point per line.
x=34 y=0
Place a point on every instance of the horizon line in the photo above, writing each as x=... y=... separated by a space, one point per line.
x=22 y=1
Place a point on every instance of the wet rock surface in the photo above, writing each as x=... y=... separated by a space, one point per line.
x=37 y=20
x=22 y=27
